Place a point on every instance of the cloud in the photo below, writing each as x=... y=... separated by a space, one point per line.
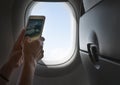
x=57 y=55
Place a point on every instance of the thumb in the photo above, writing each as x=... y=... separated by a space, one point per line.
x=21 y=37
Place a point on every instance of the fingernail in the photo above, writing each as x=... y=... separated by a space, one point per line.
x=42 y=38
x=41 y=43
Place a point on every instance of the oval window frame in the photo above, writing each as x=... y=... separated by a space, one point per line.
x=62 y=68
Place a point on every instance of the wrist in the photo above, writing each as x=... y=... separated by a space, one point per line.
x=30 y=61
x=30 y=66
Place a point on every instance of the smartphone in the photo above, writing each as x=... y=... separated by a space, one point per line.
x=34 y=27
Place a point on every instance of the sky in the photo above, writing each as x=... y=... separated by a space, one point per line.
x=57 y=31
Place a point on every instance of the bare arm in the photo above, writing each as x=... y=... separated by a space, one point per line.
x=15 y=60
x=27 y=74
x=33 y=51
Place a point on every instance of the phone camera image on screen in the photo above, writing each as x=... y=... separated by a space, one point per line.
x=34 y=28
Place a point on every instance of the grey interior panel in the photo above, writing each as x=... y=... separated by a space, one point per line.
x=88 y=4
x=103 y=20
x=108 y=74
x=100 y=26
x=76 y=77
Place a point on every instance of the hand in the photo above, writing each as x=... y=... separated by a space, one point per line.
x=33 y=50
x=16 y=57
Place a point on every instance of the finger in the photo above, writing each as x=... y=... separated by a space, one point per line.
x=40 y=54
x=18 y=52
x=21 y=37
x=42 y=38
x=36 y=43
x=41 y=41
x=37 y=48
x=20 y=62
x=27 y=39
x=21 y=59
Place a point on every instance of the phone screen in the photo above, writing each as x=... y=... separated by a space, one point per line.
x=34 y=28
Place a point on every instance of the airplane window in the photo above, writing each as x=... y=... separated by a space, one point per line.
x=58 y=31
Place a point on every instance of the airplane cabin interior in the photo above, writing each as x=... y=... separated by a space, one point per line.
x=95 y=59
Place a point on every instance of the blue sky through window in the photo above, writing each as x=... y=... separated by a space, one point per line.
x=57 y=31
